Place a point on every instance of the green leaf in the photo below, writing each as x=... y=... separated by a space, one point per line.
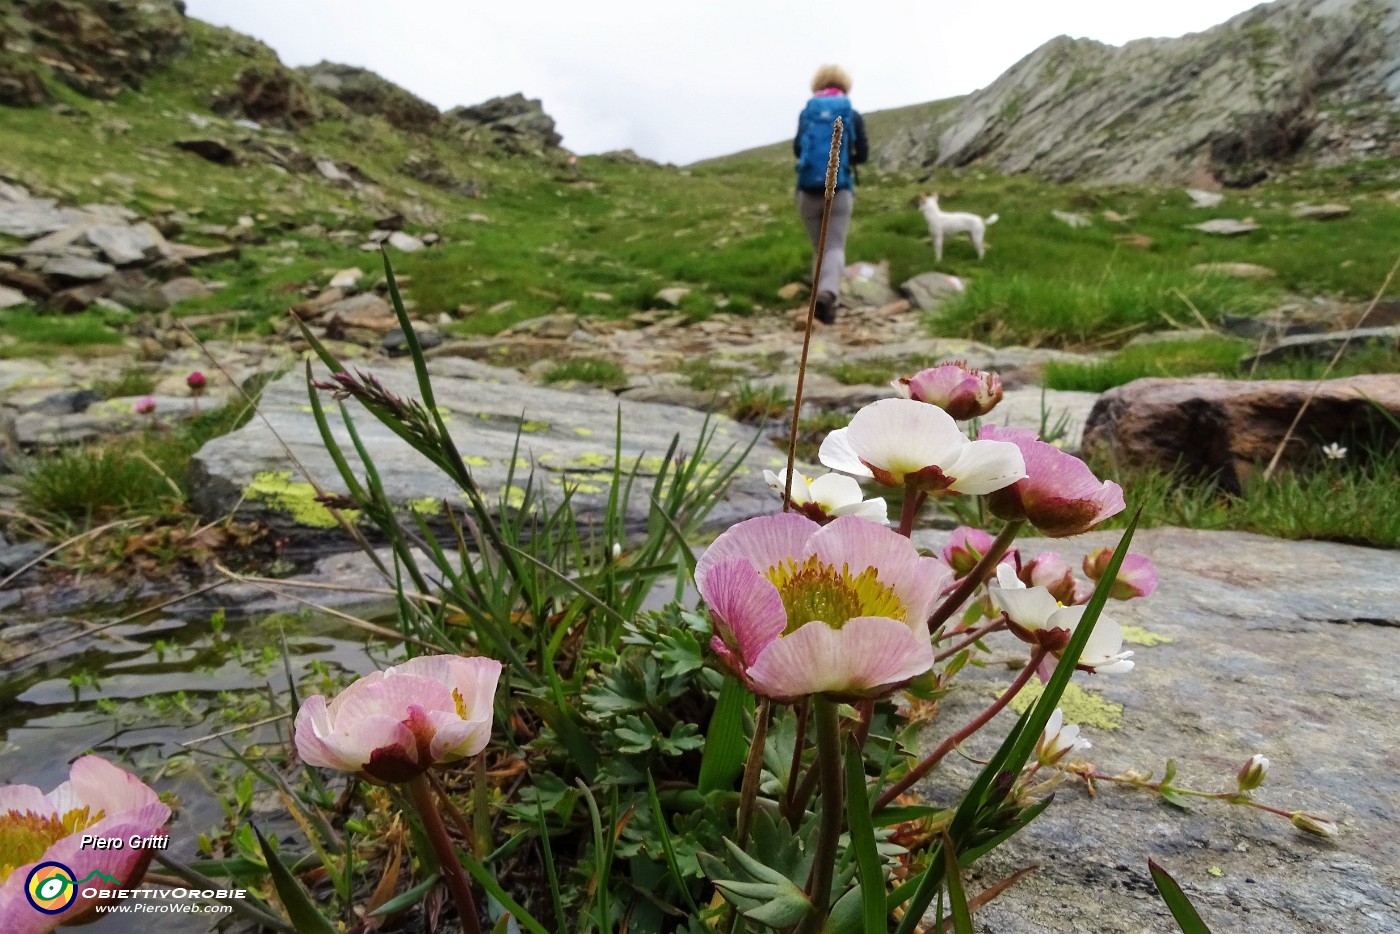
x=848 y=915
x=888 y=817
x=862 y=828
x=407 y=899
x=493 y=888
x=301 y=910
x=1174 y=798
x=664 y=833
x=1187 y=918
x=725 y=744
x=957 y=898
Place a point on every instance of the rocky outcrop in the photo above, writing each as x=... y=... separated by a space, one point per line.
x=366 y=93
x=1224 y=428
x=516 y=123
x=269 y=94
x=1225 y=104
x=1250 y=645
x=97 y=47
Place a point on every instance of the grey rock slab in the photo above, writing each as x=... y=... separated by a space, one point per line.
x=123 y=245
x=1280 y=648
x=1072 y=220
x=184 y=289
x=113 y=416
x=36 y=217
x=927 y=290
x=1235 y=270
x=1321 y=212
x=568 y=437
x=1225 y=227
x=867 y=284
x=9 y=297
x=1323 y=345
x=1204 y=199
x=1059 y=411
x=77 y=268
x=405 y=243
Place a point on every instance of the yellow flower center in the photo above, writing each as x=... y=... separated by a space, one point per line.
x=816 y=591
x=24 y=835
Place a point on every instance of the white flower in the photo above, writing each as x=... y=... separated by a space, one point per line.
x=1334 y=451
x=1252 y=773
x=901 y=442
x=1058 y=740
x=1038 y=618
x=828 y=497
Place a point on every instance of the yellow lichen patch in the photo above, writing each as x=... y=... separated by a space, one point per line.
x=427 y=506
x=475 y=460
x=296 y=499
x=590 y=460
x=522 y=464
x=533 y=426
x=652 y=464
x=1080 y=706
x=1139 y=636
x=515 y=497
x=583 y=432
x=444 y=413
x=777 y=462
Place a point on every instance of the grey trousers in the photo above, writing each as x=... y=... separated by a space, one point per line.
x=809 y=206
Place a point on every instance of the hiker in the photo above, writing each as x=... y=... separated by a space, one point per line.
x=812 y=147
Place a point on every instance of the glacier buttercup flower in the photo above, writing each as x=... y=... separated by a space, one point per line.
x=828 y=497
x=1334 y=451
x=967 y=546
x=901 y=442
x=955 y=388
x=803 y=609
x=1052 y=572
x=1059 y=495
x=393 y=725
x=1058 y=741
x=1038 y=618
x=98 y=800
x=1137 y=576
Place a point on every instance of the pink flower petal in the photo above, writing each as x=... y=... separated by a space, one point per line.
x=867 y=655
x=24 y=799
x=763 y=542
x=103 y=787
x=455 y=738
x=1060 y=495
x=747 y=607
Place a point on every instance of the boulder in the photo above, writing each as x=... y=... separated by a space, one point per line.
x=216 y=151
x=184 y=289
x=1262 y=646
x=9 y=297
x=867 y=284
x=76 y=268
x=367 y=93
x=1235 y=270
x=928 y=289
x=1223 y=428
x=125 y=244
x=1226 y=227
x=405 y=243
x=515 y=121
x=363 y=311
x=568 y=438
x=1321 y=212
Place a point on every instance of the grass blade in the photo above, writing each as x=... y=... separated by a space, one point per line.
x=1178 y=904
x=301 y=910
x=957 y=898
x=667 y=847
x=862 y=828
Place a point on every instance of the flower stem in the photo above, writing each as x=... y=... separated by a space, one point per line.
x=1229 y=797
x=798 y=745
x=753 y=770
x=423 y=802
x=833 y=806
x=976 y=723
x=970 y=637
x=977 y=575
x=913 y=499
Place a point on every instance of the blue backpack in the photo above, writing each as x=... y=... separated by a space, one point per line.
x=814 y=141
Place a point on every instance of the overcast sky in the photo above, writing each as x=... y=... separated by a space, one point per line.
x=680 y=81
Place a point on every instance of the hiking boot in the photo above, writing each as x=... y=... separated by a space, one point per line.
x=826 y=308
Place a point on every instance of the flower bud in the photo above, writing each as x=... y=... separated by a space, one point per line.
x=196 y=381
x=1052 y=572
x=1137 y=577
x=1314 y=824
x=1058 y=740
x=1252 y=773
x=1059 y=494
x=955 y=388
x=145 y=405
x=616 y=550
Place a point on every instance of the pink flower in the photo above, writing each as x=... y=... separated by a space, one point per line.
x=98 y=800
x=961 y=392
x=1060 y=496
x=393 y=725
x=966 y=546
x=901 y=442
x=196 y=381
x=1052 y=572
x=804 y=609
x=144 y=405
x=1137 y=577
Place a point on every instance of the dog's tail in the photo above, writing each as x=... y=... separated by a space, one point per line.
x=991 y=220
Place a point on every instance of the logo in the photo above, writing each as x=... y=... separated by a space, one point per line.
x=52 y=889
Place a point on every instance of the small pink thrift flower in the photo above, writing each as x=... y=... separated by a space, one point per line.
x=1034 y=616
x=144 y=405
x=961 y=392
x=1060 y=495
x=1052 y=572
x=803 y=609
x=966 y=546
x=1137 y=577
x=828 y=497
x=901 y=442
x=392 y=725
x=196 y=381
x=99 y=800
x=1058 y=740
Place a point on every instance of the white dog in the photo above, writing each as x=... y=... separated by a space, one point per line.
x=940 y=223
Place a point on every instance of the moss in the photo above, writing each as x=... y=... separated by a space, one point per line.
x=1139 y=636
x=297 y=499
x=1080 y=706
